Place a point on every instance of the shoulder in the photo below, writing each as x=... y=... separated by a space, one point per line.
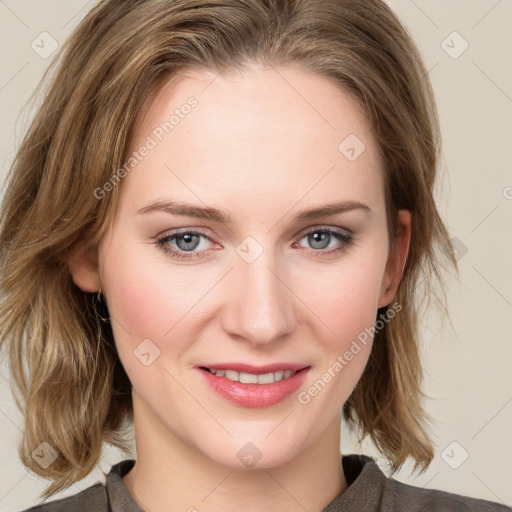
x=370 y=489
x=401 y=496
x=92 y=499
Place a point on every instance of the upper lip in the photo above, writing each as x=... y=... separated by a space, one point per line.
x=255 y=370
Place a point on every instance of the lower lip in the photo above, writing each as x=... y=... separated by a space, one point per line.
x=255 y=395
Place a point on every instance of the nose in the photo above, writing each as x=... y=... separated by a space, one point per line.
x=260 y=307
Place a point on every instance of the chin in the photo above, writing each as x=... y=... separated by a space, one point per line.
x=253 y=452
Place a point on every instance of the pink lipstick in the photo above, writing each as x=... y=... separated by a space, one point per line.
x=254 y=386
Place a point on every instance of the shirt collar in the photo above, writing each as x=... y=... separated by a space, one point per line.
x=367 y=483
x=119 y=497
x=366 y=486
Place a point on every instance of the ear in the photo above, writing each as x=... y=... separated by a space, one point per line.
x=83 y=267
x=396 y=260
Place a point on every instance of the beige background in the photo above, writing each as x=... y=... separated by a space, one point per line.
x=468 y=368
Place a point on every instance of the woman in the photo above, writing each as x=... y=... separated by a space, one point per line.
x=216 y=227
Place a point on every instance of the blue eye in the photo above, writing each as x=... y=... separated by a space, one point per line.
x=183 y=245
x=320 y=239
x=186 y=243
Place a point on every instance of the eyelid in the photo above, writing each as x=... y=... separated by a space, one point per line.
x=345 y=238
x=327 y=227
x=206 y=232
x=186 y=229
x=162 y=241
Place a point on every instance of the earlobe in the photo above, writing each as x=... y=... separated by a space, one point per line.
x=396 y=260
x=83 y=267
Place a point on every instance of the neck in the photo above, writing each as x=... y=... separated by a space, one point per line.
x=169 y=474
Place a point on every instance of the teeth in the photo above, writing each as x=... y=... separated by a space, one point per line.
x=279 y=375
x=250 y=378
x=230 y=374
x=269 y=378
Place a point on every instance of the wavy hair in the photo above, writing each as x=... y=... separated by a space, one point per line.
x=67 y=376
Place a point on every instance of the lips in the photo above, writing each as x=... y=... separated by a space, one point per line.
x=254 y=386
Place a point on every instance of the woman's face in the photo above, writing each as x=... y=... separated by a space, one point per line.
x=267 y=284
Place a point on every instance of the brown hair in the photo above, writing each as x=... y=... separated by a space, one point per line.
x=76 y=393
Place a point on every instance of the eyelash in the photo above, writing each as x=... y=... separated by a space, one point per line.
x=345 y=239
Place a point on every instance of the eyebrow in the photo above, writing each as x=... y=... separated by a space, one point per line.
x=209 y=213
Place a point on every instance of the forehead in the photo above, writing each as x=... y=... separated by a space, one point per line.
x=260 y=134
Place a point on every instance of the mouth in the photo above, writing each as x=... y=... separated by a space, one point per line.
x=254 y=386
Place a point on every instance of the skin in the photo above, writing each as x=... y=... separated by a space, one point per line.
x=262 y=146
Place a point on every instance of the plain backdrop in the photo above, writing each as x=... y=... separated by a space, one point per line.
x=467 y=47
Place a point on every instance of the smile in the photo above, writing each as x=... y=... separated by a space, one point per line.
x=251 y=378
x=260 y=389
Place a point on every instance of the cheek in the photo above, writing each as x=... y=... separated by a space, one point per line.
x=350 y=316
x=347 y=304
x=346 y=300
x=145 y=300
